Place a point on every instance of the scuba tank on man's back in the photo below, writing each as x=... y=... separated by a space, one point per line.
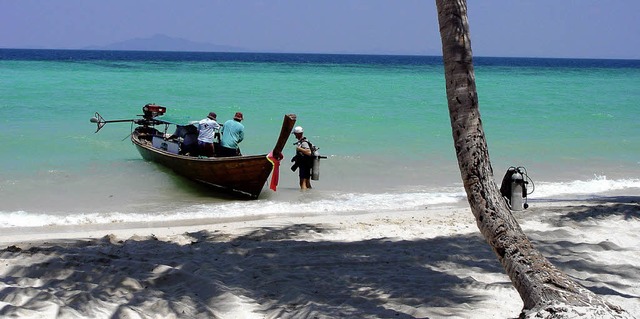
x=300 y=158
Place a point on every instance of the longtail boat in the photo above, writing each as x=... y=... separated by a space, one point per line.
x=243 y=175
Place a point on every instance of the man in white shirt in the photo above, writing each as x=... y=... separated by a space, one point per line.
x=207 y=128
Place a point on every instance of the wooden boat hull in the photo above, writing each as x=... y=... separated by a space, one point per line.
x=240 y=175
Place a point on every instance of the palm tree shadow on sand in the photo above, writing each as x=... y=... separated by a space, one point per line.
x=278 y=274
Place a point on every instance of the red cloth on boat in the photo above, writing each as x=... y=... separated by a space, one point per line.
x=276 y=170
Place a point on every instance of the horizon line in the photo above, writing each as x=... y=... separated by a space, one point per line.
x=314 y=53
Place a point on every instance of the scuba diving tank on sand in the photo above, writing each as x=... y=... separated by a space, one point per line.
x=514 y=188
x=518 y=191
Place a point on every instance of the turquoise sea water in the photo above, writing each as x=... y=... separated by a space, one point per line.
x=381 y=121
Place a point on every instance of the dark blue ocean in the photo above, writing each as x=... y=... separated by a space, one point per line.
x=382 y=122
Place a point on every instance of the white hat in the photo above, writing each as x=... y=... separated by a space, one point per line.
x=298 y=129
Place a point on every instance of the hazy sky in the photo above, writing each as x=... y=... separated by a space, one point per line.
x=532 y=28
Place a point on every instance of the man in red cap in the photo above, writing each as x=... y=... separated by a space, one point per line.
x=231 y=135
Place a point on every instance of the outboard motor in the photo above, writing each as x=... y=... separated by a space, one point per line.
x=514 y=188
x=151 y=110
x=148 y=118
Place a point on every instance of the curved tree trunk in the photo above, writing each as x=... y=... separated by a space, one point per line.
x=544 y=289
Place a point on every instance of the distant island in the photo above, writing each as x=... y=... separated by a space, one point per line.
x=161 y=42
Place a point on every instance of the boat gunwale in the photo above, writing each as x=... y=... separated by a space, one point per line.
x=147 y=145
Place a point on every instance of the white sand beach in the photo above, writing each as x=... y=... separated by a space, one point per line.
x=419 y=264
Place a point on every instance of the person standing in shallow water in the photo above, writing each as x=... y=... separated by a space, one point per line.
x=231 y=134
x=303 y=159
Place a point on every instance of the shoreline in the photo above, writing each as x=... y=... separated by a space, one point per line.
x=22 y=234
x=427 y=263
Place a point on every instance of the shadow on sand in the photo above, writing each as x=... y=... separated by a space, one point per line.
x=284 y=275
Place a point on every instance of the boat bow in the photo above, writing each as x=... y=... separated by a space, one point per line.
x=276 y=154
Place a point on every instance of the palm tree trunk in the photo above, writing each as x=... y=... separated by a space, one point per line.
x=544 y=289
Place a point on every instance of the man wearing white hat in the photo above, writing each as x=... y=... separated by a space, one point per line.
x=303 y=159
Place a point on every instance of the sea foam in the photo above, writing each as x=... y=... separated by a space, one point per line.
x=318 y=202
